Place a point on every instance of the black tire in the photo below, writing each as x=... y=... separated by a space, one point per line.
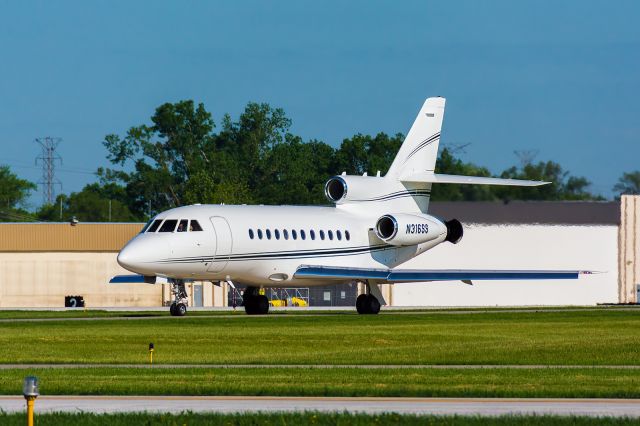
x=180 y=310
x=373 y=305
x=361 y=304
x=249 y=303
x=172 y=309
x=262 y=305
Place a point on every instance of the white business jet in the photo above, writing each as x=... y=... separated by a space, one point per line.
x=376 y=224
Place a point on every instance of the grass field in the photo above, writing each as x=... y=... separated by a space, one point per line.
x=584 y=383
x=190 y=419
x=553 y=338
x=571 y=337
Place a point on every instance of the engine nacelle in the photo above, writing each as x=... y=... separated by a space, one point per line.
x=404 y=229
x=345 y=188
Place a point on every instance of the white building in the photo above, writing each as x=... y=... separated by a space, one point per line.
x=592 y=236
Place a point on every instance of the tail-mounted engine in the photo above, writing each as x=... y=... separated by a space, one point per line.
x=411 y=229
x=367 y=192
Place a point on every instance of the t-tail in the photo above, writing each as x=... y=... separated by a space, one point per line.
x=406 y=188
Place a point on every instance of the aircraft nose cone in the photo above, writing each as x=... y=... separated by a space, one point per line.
x=126 y=258
x=139 y=255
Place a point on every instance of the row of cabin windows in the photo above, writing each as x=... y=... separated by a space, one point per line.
x=294 y=234
x=172 y=225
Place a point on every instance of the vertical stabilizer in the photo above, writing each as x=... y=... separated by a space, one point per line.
x=419 y=150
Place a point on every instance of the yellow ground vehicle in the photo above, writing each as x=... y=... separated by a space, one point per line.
x=290 y=301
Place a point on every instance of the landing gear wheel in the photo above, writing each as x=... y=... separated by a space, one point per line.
x=256 y=305
x=262 y=305
x=178 y=307
x=360 y=303
x=180 y=310
x=373 y=305
x=367 y=304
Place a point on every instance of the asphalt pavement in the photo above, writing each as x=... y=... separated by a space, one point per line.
x=236 y=404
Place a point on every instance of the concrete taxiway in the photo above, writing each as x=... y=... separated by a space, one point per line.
x=231 y=404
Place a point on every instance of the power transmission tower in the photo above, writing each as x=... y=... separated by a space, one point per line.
x=526 y=156
x=456 y=148
x=48 y=159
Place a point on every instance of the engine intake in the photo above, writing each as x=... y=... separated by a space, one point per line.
x=403 y=229
x=335 y=189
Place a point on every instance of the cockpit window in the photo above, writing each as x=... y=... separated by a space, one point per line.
x=146 y=226
x=183 y=225
x=169 y=225
x=195 y=226
x=155 y=225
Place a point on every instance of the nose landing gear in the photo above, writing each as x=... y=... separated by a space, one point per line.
x=178 y=307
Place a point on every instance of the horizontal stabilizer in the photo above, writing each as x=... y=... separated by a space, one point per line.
x=415 y=275
x=427 y=177
x=137 y=279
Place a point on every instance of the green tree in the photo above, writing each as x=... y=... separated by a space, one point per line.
x=14 y=193
x=562 y=186
x=165 y=154
x=95 y=203
x=294 y=172
x=447 y=163
x=364 y=153
x=628 y=183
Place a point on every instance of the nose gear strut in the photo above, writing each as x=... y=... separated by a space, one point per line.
x=180 y=302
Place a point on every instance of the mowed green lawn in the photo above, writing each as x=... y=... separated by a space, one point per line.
x=311 y=418
x=389 y=382
x=599 y=337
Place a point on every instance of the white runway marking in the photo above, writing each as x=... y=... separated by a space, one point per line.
x=231 y=404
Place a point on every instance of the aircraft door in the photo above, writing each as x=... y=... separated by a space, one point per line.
x=224 y=246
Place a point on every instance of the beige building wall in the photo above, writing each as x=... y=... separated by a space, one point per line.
x=629 y=249
x=44 y=279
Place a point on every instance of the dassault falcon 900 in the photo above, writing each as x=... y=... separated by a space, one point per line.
x=376 y=224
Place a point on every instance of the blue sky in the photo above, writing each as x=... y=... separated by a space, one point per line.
x=558 y=77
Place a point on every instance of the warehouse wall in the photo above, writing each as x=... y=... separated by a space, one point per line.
x=520 y=247
x=43 y=279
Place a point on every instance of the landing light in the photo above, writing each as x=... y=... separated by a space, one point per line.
x=30 y=391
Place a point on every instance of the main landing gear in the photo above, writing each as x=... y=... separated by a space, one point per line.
x=254 y=302
x=367 y=304
x=178 y=307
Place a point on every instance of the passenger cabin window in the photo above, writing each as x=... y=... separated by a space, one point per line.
x=339 y=235
x=303 y=235
x=260 y=233
x=251 y=233
x=277 y=234
x=286 y=234
x=155 y=225
x=294 y=234
x=183 y=225
x=321 y=234
x=146 y=226
x=195 y=226
x=330 y=234
x=169 y=225
x=268 y=234
x=312 y=234
x=347 y=235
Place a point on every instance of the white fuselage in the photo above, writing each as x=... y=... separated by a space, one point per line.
x=262 y=245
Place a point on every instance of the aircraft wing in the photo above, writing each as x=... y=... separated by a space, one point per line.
x=137 y=279
x=417 y=275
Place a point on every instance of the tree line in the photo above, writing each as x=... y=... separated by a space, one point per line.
x=182 y=157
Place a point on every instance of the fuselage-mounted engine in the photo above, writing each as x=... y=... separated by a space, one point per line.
x=406 y=229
